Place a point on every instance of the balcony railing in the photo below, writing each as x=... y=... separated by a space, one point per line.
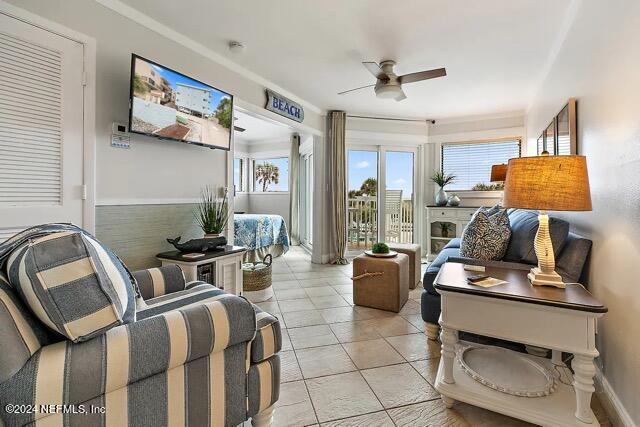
x=362 y=216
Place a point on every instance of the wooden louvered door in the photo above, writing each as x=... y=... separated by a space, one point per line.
x=41 y=127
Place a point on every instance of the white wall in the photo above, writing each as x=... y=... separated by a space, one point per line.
x=598 y=64
x=151 y=169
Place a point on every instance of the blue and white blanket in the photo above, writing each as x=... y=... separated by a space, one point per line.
x=259 y=231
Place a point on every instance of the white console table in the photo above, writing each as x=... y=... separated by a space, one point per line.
x=222 y=268
x=457 y=218
x=563 y=320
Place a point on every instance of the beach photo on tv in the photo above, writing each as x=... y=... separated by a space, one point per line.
x=170 y=105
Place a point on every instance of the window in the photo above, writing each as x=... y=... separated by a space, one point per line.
x=238 y=173
x=271 y=174
x=471 y=162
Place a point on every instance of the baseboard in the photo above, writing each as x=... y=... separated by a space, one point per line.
x=610 y=401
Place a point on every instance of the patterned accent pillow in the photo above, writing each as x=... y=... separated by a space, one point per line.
x=73 y=284
x=487 y=235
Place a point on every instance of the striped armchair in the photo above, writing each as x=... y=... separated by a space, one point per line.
x=194 y=356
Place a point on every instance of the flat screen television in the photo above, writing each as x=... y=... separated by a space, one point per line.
x=169 y=105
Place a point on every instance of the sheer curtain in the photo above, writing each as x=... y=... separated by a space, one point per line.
x=336 y=121
x=294 y=190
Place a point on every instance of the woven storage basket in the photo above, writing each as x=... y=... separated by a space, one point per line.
x=257 y=276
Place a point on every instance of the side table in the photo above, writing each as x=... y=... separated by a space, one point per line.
x=222 y=267
x=547 y=317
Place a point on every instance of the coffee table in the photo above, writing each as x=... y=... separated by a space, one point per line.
x=547 y=317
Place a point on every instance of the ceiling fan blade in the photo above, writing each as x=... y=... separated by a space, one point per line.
x=375 y=69
x=422 y=75
x=400 y=96
x=358 y=88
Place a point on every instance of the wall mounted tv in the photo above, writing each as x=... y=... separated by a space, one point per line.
x=169 y=105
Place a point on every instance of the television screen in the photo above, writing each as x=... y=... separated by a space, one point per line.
x=170 y=105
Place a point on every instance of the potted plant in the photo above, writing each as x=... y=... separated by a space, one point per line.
x=442 y=180
x=380 y=248
x=212 y=213
x=445 y=227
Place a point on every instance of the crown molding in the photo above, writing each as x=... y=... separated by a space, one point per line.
x=135 y=15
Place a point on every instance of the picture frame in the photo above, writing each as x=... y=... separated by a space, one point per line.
x=560 y=137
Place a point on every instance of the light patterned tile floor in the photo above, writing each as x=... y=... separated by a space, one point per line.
x=355 y=366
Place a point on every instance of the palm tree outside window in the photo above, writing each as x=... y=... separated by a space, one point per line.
x=271 y=175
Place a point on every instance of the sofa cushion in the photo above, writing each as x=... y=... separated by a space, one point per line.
x=73 y=284
x=453 y=243
x=487 y=235
x=524 y=226
x=574 y=256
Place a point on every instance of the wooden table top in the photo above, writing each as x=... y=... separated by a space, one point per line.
x=216 y=253
x=453 y=278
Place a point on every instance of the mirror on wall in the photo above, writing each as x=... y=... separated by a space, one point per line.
x=560 y=136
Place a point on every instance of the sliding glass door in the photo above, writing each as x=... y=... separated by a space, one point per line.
x=399 y=194
x=381 y=197
x=362 y=199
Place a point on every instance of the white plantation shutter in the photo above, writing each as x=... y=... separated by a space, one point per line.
x=471 y=162
x=31 y=123
x=41 y=127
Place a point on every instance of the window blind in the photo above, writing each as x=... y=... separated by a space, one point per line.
x=471 y=162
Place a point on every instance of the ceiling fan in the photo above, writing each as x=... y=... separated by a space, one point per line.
x=389 y=85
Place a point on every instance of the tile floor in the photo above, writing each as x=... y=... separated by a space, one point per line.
x=344 y=365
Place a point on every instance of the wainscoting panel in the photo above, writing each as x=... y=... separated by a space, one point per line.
x=136 y=233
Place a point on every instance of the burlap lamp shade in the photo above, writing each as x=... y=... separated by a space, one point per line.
x=547 y=183
x=498 y=173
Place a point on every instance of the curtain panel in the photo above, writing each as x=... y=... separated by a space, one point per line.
x=294 y=190
x=336 y=122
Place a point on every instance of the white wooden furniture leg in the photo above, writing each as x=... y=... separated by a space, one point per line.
x=432 y=330
x=556 y=357
x=448 y=402
x=449 y=338
x=583 y=385
x=264 y=418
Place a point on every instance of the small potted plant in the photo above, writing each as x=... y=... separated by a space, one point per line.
x=212 y=213
x=442 y=180
x=380 y=248
x=445 y=227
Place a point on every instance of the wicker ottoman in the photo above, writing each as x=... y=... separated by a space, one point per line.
x=381 y=282
x=414 y=252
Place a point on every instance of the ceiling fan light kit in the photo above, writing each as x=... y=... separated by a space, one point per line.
x=389 y=85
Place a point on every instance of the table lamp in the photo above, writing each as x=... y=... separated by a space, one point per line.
x=547 y=183
x=498 y=173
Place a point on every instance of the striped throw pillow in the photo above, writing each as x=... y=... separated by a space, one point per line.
x=73 y=284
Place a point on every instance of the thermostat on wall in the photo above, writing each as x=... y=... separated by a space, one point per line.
x=119 y=128
x=120 y=136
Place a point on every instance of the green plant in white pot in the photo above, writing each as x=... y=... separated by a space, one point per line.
x=442 y=180
x=212 y=213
